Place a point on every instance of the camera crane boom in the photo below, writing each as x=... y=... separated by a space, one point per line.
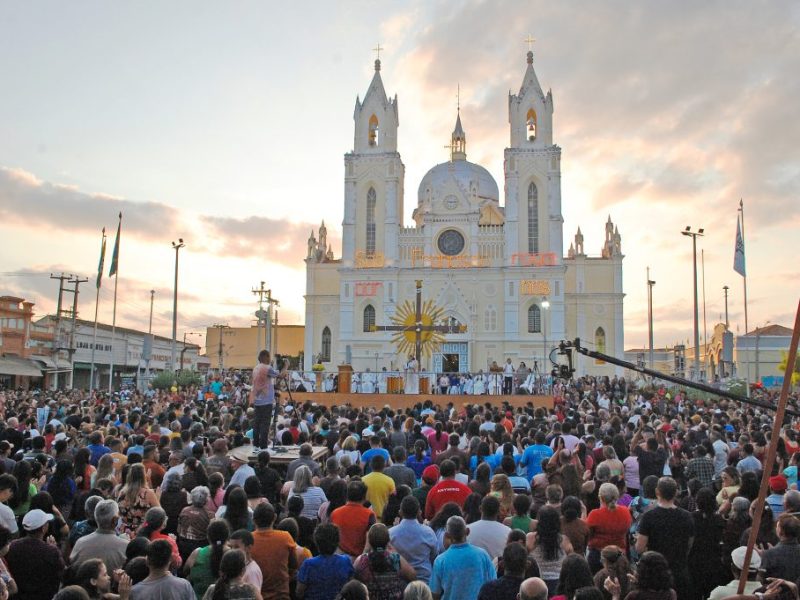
x=565 y=348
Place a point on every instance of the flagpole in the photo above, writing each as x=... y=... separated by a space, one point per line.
x=741 y=210
x=115 y=266
x=97 y=305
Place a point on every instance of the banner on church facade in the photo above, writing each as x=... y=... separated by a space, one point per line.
x=367 y=288
x=534 y=287
x=534 y=259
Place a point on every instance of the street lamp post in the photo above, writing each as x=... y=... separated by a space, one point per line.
x=177 y=248
x=694 y=235
x=545 y=306
x=650 y=284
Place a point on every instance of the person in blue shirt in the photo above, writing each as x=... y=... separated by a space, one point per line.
x=414 y=541
x=375 y=449
x=749 y=462
x=483 y=454
x=462 y=569
x=419 y=461
x=534 y=455
x=322 y=577
x=97 y=448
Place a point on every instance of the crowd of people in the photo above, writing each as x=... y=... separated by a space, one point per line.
x=618 y=491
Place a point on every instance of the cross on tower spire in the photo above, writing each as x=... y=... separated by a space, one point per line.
x=529 y=40
x=377 y=49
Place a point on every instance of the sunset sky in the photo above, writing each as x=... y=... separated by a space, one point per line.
x=225 y=123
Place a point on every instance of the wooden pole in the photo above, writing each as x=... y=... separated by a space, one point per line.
x=773 y=446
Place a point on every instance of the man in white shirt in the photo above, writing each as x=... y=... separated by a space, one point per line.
x=8 y=487
x=488 y=533
x=508 y=379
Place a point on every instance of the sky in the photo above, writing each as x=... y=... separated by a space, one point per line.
x=225 y=124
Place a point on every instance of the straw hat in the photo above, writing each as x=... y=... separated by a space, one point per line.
x=241 y=454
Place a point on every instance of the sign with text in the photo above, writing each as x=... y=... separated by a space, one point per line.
x=367 y=288
x=534 y=287
x=534 y=259
x=367 y=260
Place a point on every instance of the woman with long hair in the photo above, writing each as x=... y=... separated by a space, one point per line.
x=173 y=500
x=312 y=495
x=155 y=521
x=194 y=474
x=92 y=575
x=350 y=448
x=105 y=469
x=575 y=574
x=202 y=566
x=252 y=489
x=472 y=508
x=501 y=489
x=62 y=486
x=611 y=460
x=482 y=483
x=705 y=557
x=83 y=469
x=216 y=493
x=573 y=526
x=615 y=566
x=236 y=511
x=608 y=525
x=735 y=525
x=337 y=496
x=439 y=523
x=549 y=547
x=653 y=580
x=20 y=502
x=437 y=440
x=383 y=571
x=135 y=499
x=193 y=523
x=230 y=583
x=731 y=481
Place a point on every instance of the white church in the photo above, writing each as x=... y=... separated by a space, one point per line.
x=497 y=270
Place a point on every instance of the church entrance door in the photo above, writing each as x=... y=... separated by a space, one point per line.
x=453 y=357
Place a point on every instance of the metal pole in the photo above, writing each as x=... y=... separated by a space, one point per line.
x=173 y=358
x=726 y=288
x=777 y=424
x=705 y=326
x=650 y=284
x=696 y=312
x=94 y=338
x=152 y=295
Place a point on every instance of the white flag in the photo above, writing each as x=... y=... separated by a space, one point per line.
x=738 y=254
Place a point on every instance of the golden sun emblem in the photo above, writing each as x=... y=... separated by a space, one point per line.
x=407 y=328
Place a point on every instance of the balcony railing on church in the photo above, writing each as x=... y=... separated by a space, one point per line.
x=443 y=383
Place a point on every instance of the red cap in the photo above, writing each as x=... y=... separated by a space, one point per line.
x=666 y=427
x=430 y=474
x=778 y=483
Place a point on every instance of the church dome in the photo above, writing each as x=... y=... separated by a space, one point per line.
x=465 y=175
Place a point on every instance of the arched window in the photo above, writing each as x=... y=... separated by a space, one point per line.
x=371 y=200
x=600 y=344
x=533 y=218
x=326 y=345
x=530 y=122
x=534 y=319
x=490 y=318
x=373 y=131
x=369 y=317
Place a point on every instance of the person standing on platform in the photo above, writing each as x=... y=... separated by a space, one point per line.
x=412 y=375
x=262 y=397
x=508 y=378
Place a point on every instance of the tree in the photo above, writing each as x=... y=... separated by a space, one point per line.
x=184 y=378
x=785 y=362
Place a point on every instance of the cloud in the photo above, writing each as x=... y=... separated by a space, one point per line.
x=29 y=201
x=277 y=240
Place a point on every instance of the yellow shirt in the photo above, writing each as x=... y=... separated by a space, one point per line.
x=379 y=488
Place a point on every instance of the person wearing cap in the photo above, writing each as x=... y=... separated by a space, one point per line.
x=34 y=561
x=240 y=464
x=777 y=487
x=430 y=476
x=737 y=564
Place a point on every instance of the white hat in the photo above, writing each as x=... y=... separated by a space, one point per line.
x=35 y=519
x=60 y=436
x=737 y=556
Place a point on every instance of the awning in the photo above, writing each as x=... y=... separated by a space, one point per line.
x=53 y=365
x=14 y=365
x=45 y=361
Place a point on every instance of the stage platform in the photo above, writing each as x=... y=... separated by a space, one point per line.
x=401 y=401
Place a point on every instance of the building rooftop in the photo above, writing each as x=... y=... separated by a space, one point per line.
x=771 y=330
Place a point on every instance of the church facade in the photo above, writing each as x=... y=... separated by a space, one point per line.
x=498 y=272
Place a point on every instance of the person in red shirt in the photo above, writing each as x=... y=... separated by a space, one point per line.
x=608 y=525
x=353 y=519
x=447 y=490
